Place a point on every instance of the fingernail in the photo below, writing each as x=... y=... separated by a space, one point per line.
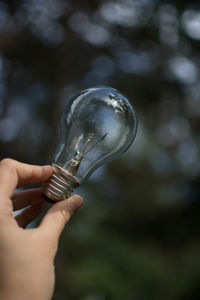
x=47 y=171
x=48 y=168
x=75 y=202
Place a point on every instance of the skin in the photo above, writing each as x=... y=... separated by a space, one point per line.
x=27 y=255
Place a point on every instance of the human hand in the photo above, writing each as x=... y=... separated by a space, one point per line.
x=27 y=256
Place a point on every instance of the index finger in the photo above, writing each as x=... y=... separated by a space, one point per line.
x=14 y=174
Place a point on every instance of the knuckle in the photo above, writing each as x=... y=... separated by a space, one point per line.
x=64 y=214
x=36 y=171
x=7 y=208
x=7 y=162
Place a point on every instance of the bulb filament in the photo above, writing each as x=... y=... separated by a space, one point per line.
x=73 y=164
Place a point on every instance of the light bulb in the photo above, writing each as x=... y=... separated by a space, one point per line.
x=97 y=126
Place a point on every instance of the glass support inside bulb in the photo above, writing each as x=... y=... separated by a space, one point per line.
x=73 y=164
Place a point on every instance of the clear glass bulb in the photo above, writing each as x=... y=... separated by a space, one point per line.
x=98 y=125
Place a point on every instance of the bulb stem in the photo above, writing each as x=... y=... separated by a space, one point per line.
x=60 y=185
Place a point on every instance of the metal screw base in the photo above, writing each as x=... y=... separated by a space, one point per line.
x=60 y=185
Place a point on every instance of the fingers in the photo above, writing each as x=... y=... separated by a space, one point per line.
x=14 y=174
x=57 y=216
x=22 y=199
x=29 y=214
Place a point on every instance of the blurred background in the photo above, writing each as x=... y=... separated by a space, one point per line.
x=138 y=233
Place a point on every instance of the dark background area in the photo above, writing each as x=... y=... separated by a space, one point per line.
x=138 y=233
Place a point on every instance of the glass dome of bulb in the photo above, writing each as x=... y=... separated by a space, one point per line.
x=97 y=126
x=101 y=123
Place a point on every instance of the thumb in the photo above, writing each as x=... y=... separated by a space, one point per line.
x=58 y=215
